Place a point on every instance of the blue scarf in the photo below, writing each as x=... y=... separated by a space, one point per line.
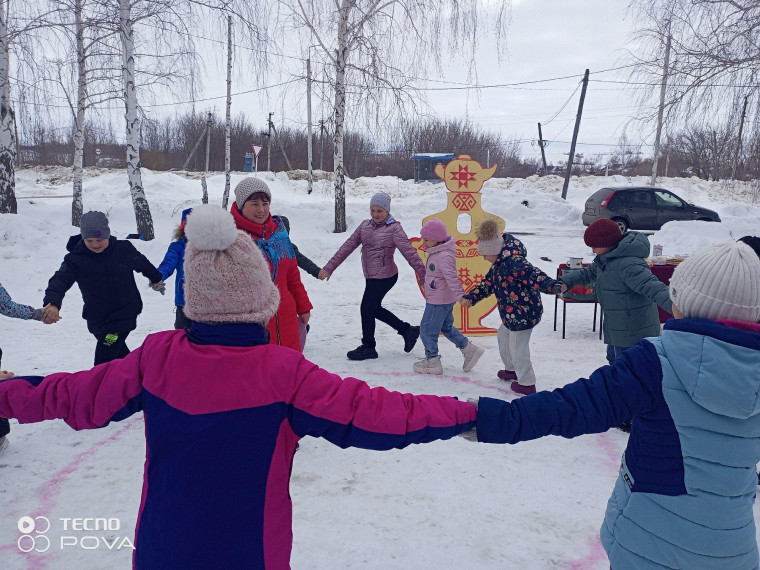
x=276 y=247
x=228 y=334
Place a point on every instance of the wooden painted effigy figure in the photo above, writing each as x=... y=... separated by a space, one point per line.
x=464 y=178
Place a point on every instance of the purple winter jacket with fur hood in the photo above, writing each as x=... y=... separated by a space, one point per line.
x=442 y=284
x=379 y=242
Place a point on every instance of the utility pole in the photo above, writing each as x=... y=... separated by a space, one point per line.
x=575 y=136
x=228 y=117
x=661 y=110
x=715 y=156
x=739 y=142
x=282 y=148
x=209 y=121
x=541 y=144
x=321 y=142
x=192 y=152
x=269 y=143
x=308 y=120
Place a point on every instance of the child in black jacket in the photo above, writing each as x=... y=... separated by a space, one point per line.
x=103 y=267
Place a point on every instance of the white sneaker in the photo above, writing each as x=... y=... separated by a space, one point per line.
x=472 y=354
x=3 y=443
x=429 y=366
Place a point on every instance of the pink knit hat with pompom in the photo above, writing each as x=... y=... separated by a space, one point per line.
x=227 y=279
x=435 y=229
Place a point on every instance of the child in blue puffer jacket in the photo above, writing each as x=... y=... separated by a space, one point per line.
x=173 y=260
x=686 y=488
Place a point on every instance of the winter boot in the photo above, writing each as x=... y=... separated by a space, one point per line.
x=506 y=375
x=472 y=354
x=362 y=352
x=410 y=335
x=429 y=366
x=522 y=390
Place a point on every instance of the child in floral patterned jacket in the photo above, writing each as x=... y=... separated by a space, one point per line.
x=518 y=287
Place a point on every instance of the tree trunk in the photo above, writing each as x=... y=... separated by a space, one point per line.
x=340 y=111
x=228 y=116
x=7 y=124
x=76 y=203
x=139 y=201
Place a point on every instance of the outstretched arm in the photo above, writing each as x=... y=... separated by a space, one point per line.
x=84 y=400
x=348 y=413
x=610 y=396
x=402 y=243
x=344 y=251
x=15 y=310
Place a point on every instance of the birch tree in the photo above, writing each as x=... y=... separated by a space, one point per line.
x=26 y=21
x=374 y=46
x=8 y=141
x=87 y=74
x=139 y=202
x=714 y=55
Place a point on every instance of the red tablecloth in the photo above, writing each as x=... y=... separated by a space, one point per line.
x=663 y=273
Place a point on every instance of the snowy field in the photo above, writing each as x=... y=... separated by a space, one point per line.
x=445 y=505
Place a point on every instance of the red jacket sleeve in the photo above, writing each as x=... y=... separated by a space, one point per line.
x=296 y=288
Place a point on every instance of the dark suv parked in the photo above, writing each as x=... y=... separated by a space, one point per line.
x=642 y=208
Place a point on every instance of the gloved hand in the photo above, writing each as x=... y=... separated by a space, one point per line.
x=37 y=316
x=557 y=288
x=160 y=287
x=472 y=434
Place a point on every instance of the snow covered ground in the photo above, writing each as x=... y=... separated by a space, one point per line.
x=452 y=504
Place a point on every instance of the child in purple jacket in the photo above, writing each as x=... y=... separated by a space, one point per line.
x=379 y=237
x=442 y=289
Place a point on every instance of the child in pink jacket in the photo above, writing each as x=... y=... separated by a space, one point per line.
x=224 y=411
x=380 y=237
x=442 y=289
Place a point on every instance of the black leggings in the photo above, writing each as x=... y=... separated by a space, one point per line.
x=111 y=346
x=372 y=309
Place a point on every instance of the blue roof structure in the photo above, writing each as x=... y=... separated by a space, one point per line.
x=433 y=156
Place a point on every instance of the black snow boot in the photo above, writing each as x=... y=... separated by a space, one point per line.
x=362 y=352
x=410 y=334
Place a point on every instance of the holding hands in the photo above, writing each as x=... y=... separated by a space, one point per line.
x=467 y=303
x=559 y=288
x=323 y=275
x=49 y=314
x=160 y=287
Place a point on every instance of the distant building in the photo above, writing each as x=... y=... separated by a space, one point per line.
x=425 y=162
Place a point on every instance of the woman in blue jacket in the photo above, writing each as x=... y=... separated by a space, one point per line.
x=687 y=480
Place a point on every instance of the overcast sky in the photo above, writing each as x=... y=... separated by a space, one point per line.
x=546 y=39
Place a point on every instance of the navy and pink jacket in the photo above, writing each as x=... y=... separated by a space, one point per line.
x=223 y=412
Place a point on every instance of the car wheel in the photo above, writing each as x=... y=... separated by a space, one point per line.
x=622 y=224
